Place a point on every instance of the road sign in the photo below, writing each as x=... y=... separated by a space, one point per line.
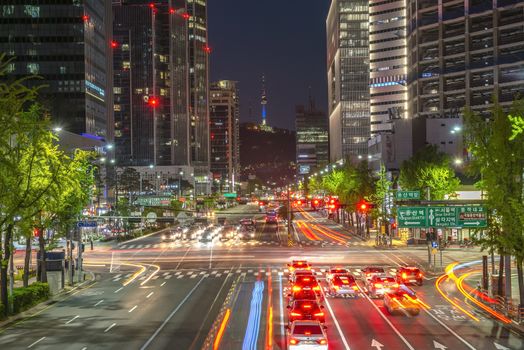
x=86 y=224
x=468 y=216
x=407 y=195
x=434 y=244
x=472 y=216
x=412 y=217
x=230 y=195
x=151 y=217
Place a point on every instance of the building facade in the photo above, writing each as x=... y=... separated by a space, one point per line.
x=348 y=78
x=224 y=135
x=161 y=89
x=69 y=46
x=462 y=54
x=312 y=138
x=391 y=140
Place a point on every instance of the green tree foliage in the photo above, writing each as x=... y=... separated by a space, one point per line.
x=517 y=125
x=499 y=159
x=429 y=168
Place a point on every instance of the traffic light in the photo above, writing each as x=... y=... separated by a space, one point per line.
x=363 y=206
x=152 y=101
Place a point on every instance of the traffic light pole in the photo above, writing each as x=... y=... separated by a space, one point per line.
x=289 y=237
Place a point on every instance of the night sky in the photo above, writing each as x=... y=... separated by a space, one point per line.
x=285 y=39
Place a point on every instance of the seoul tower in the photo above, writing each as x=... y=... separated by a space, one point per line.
x=263 y=101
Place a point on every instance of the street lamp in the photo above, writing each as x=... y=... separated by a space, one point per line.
x=57 y=129
x=458 y=161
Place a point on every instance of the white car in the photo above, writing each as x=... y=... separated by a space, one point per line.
x=335 y=271
x=306 y=335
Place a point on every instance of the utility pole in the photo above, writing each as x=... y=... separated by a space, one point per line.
x=79 y=264
x=429 y=237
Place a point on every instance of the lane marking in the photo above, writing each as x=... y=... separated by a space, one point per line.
x=253 y=324
x=450 y=330
x=133 y=308
x=282 y=330
x=36 y=342
x=162 y=284
x=148 y=342
x=109 y=328
x=100 y=302
x=71 y=320
x=119 y=289
x=389 y=322
x=342 y=336
x=149 y=295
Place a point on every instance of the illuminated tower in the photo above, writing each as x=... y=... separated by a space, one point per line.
x=263 y=101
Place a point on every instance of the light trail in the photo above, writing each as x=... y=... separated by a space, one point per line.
x=306 y=231
x=269 y=318
x=437 y=285
x=221 y=330
x=253 y=324
x=327 y=234
x=460 y=286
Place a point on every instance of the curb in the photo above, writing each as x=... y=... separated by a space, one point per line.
x=36 y=309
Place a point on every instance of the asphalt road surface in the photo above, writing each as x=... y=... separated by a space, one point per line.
x=156 y=293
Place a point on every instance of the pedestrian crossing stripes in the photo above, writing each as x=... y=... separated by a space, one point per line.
x=217 y=273
x=187 y=244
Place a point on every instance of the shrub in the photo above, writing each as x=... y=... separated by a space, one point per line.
x=24 y=298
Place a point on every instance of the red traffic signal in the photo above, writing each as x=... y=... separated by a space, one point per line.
x=363 y=206
x=152 y=101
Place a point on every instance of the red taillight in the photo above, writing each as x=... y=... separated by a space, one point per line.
x=355 y=287
x=322 y=341
x=293 y=341
x=368 y=274
x=395 y=285
x=337 y=287
x=404 y=275
x=306 y=279
x=420 y=275
x=296 y=288
x=378 y=285
x=307 y=306
x=296 y=314
x=319 y=314
x=316 y=288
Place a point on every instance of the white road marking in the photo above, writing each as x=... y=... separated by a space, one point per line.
x=109 y=328
x=100 y=302
x=36 y=342
x=71 y=320
x=162 y=284
x=342 y=336
x=149 y=295
x=450 y=330
x=171 y=315
x=119 y=289
x=133 y=308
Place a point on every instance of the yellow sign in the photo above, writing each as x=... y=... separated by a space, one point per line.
x=434 y=251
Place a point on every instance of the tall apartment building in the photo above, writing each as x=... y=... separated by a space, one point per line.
x=462 y=54
x=312 y=138
x=68 y=45
x=161 y=87
x=391 y=140
x=348 y=78
x=224 y=134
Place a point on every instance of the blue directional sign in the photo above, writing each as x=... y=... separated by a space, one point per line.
x=434 y=244
x=84 y=224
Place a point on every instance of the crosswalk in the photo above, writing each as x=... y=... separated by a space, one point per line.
x=218 y=273
x=187 y=244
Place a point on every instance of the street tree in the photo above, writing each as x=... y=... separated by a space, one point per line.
x=27 y=166
x=498 y=158
x=429 y=169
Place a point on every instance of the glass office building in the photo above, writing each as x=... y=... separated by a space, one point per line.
x=67 y=44
x=348 y=78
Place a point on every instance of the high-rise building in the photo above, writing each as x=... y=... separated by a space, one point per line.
x=161 y=86
x=67 y=44
x=312 y=138
x=348 y=78
x=391 y=142
x=463 y=54
x=224 y=134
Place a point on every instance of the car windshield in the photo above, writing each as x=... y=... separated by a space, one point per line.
x=375 y=270
x=307 y=330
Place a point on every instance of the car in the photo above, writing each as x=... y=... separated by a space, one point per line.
x=343 y=285
x=406 y=275
x=306 y=310
x=306 y=282
x=378 y=286
x=402 y=299
x=371 y=271
x=303 y=294
x=334 y=271
x=306 y=335
x=293 y=275
x=299 y=265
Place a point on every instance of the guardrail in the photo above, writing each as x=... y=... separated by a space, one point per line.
x=212 y=339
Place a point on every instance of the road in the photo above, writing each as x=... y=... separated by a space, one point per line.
x=154 y=293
